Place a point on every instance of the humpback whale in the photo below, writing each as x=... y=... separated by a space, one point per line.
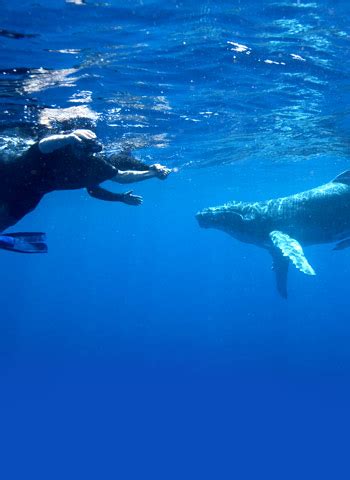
x=283 y=225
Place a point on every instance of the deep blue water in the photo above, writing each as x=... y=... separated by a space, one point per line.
x=142 y=347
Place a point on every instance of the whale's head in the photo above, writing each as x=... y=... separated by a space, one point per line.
x=229 y=218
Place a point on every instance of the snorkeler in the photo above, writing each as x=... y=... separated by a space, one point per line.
x=63 y=162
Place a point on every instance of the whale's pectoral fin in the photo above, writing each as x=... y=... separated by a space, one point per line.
x=343 y=178
x=291 y=248
x=280 y=267
x=342 y=245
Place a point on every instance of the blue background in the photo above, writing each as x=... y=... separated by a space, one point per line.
x=142 y=346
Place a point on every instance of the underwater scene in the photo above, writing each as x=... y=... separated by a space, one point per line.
x=174 y=239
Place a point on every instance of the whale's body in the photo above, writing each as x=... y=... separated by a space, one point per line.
x=320 y=215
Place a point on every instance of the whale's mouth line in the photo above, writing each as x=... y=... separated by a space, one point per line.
x=200 y=217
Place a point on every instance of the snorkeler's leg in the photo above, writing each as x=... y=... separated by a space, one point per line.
x=10 y=214
x=7 y=218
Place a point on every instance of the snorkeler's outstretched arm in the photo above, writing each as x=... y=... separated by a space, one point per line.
x=131 y=176
x=77 y=138
x=103 y=194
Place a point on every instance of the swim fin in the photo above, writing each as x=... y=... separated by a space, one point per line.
x=24 y=242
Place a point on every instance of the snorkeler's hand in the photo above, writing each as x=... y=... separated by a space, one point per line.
x=160 y=171
x=130 y=199
x=78 y=136
x=84 y=140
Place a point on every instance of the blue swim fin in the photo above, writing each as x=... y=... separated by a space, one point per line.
x=24 y=242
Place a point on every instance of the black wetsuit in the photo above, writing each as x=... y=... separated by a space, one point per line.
x=26 y=179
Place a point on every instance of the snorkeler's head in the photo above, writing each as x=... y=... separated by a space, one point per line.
x=87 y=147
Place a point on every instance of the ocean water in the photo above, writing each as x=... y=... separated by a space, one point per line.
x=141 y=346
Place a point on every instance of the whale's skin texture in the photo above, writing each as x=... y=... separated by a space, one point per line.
x=316 y=216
